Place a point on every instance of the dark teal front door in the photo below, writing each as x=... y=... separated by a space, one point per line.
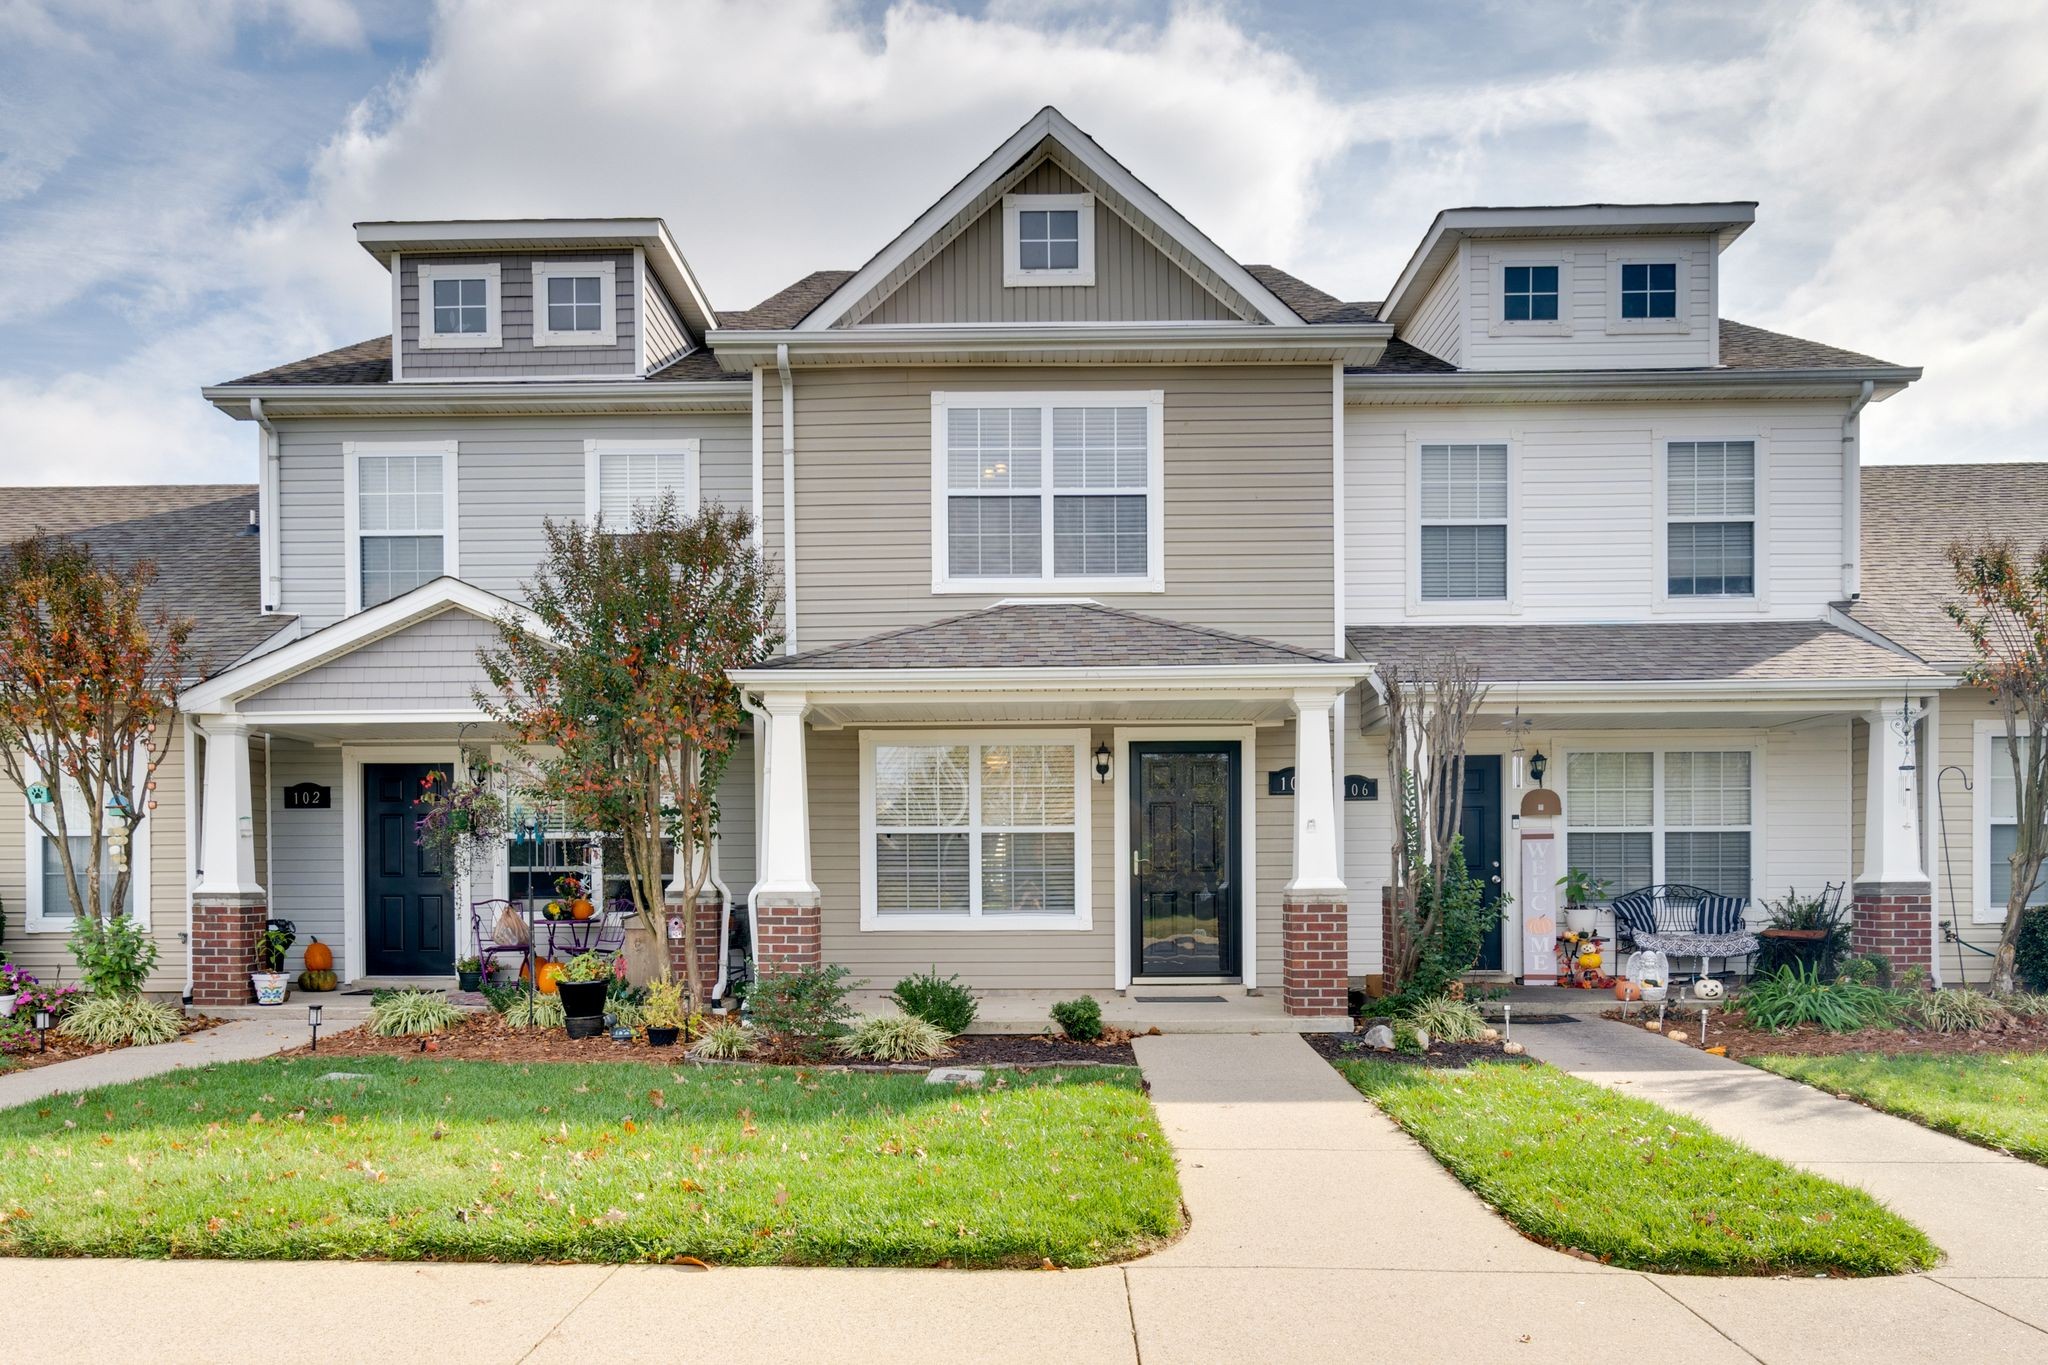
x=408 y=899
x=1479 y=821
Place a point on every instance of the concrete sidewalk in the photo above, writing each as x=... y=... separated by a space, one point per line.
x=236 y=1041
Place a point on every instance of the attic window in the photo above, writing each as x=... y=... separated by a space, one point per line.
x=573 y=303
x=1529 y=293
x=458 y=305
x=1048 y=239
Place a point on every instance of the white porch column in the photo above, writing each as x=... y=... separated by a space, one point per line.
x=1891 y=805
x=785 y=876
x=1318 y=861
x=227 y=848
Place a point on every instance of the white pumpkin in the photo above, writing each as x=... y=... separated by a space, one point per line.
x=1707 y=988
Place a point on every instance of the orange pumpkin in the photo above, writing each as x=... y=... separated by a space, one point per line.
x=1625 y=989
x=319 y=957
x=550 y=974
x=581 y=909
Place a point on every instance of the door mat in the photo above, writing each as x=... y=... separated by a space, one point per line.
x=1180 y=1000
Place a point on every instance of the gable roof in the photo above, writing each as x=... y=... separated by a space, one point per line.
x=1911 y=514
x=1049 y=133
x=209 y=566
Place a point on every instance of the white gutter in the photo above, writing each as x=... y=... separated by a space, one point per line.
x=1463 y=383
x=1225 y=678
x=1354 y=343
x=269 y=469
x=1852 y=495
x=788 y=499
x=508 y=396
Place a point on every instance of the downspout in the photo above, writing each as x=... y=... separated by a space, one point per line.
x=762 y=759
x=1852 y=497
x=1339 y=734
x=788 y=499
x=193 y=807
x=760 y=533
x=269 y=461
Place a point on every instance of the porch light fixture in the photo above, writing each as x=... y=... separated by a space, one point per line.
x=42 y=1029
x=1102 y=757
x=1538 y=765
x=313 y=1021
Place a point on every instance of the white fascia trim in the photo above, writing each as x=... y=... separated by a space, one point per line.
x=1725 y=693
x=607 y=333
x=219 y=693
x=1111 y=682
x=596 y=448
x=1015 y=276
x=1445 y=385
x=493 y=335
x=1048 y=122
x=351 y=510
x=609 y=393
x=1354 y=343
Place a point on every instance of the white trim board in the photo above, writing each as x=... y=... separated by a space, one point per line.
x=426 y=338
x=352 y=453
x=354 y=929
x=607 y=331
x=596 y=448
x=1015 y=276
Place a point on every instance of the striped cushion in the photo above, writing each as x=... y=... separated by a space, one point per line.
x=1637 y=912
x=1721 y=914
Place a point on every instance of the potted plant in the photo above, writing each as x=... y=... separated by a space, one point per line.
x=464 y=822
x=13 y=982
x=1804 y=931
x=582 y=985
x=1581 y=890
x=469 y=973
x=663 y=1013
x=272 y=944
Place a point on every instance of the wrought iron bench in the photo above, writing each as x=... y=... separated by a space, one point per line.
x=1683 y=921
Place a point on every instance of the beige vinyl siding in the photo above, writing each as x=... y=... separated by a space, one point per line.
x=1368 y=842
x=1246 y=498
x=1438 y=324
x=1953 y=856
x=48 y=955
x=1583 y=289
x=1134 y=281
x=517 y=356
x=1584 y=505
x=512 y=472
x=1807 y=835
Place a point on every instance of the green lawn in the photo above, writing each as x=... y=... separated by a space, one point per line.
x=489 y=1161
x=1995 y=1101
x=1578 y=1166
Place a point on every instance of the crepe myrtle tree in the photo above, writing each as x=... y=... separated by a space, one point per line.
x=1430 y=704
x=89 y=679
x=622 y=704
x=2001 y=603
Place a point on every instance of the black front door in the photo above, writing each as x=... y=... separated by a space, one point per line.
x=408 y=902
x=1479 y=822
x=1184 y=845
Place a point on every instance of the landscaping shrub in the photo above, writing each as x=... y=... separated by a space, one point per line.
x=2031 y=962
x=938 y=1000
x=1447 y=1020
x=800 y=1013
x=664 y=1006
x=534 y=1011
x=895 y=1038
x=1868 y=969
x=396 y=1013
x=726 y=1042
x=115 y=954
x=1080 y=1020
x=2026 y=1006
x=1407 y=1040
x=1444 y=956
x=501 y=998
x=112 y=1020
x=1956 y=1010
x=1797 y=994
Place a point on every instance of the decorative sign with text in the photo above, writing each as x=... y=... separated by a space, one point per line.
x=1280 y=782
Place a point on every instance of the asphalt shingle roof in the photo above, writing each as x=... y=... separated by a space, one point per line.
x=1051 y=635
x=1312 y=304
x=208 y=564
x=1744 y=347
x=1911 y=514
x=786 y=307
x=369 y=362
x=1675 y=651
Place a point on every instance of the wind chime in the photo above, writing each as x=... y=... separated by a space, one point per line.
x=1517 y=730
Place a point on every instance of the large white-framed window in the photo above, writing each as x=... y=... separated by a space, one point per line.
x=1642 y=816
x=1048 y=239
x=1464 y=533
x=619 y=477
x=459 y=306
x=1037 y=492
x=46 y=907
x=1711 y=547
x=1996 y=797
x=1649 y=292
x=399 y=518
x=1531 y=294
x=968 y=830
x=575 y=303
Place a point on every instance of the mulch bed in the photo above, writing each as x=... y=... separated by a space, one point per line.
x=1454 y=1056
x=484 y=1037
x=62 y=1049
x=1726 y=1029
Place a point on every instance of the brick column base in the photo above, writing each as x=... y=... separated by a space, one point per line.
x=709 y=915
x=1315 y=951
x=1896 y=919
x=788 y=937
x=223 y=947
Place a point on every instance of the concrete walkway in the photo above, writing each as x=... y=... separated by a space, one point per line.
x=1319 y=1232
x=237 y=1041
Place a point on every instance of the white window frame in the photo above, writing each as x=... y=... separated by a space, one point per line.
x=1984 y=734
x=1496 y=302
x=1659 y=827
x=1759 y=598
x=352 y=532
x=975 y=922
x=1417 y=604
x=493 y=335
x=1154 y=578
x=1617 y=325
x=594 y=451
x=36 y=917
x=1014 y=274
x=607 y=333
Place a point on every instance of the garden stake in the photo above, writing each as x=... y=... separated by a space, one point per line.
x=1507 y=1022
x=1703 y=1025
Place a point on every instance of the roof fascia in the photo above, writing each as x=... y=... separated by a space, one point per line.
x=739 y=351
x=635 y=395
x=981 y=681
x=1473 y=383
x=1726 y=694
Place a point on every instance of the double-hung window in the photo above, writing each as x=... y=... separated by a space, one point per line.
x=1059 y=491
x=1048 y=239
x=1463 y=500
x=623 y=478
x=1710 y=509
x=401 y=508
x=2002 y=828
x=1682 y=816
x=974 y=831
x=573 y=303
x=458 y=305
x=48 y=906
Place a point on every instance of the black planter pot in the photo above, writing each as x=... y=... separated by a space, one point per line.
x=583 y=999
x=583 y=1026
x=469 y=981
x=661 y=1037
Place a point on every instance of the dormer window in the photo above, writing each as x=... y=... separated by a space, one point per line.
x=458 y=305
x=1048 y=239
x=573 y=303
x=1649 y=290
x=1529 y=293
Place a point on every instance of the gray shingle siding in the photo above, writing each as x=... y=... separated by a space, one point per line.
x=431 y=666
x=517 y=356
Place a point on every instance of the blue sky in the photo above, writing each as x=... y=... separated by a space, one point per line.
x=178 y=177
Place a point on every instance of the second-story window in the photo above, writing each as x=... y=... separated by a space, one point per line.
x=400 y=518
x=1710 y=505
x=1047 y=491
x=1463 y=492
x=1649 y=290
x=1529 y=293
x=622 y=477
x=574 y=303
x=458 y=305
x=1048 y=239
